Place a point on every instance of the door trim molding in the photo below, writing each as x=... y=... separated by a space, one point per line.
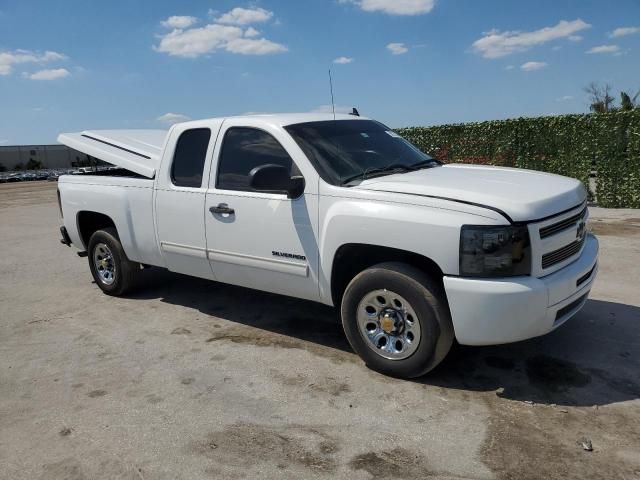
x=275 y=265
x=170 y=247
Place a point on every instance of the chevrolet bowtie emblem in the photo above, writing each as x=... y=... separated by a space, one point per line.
x=387 y=323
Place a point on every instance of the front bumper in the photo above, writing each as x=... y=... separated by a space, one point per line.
x=489 y=312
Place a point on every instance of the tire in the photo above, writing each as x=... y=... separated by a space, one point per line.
x=417 y=310
x=104 y=245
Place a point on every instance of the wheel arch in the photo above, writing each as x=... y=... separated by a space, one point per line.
x=88 y=222
x=352 y=258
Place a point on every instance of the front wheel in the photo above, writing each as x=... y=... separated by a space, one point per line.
x=397 y=319
x=112 y=271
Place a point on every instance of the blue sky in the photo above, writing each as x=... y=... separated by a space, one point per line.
x=68 y=65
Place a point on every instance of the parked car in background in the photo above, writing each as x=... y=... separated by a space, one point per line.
x=83 y=170
x=40 y=175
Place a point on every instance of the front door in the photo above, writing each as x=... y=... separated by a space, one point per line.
x=259 y=240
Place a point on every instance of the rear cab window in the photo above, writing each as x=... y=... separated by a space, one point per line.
x=189 y=157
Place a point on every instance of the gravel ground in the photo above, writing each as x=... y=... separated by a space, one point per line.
x=193 y=379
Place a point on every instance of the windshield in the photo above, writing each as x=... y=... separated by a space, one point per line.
x=344 y=151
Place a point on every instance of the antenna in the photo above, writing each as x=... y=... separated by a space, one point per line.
x=333 y=105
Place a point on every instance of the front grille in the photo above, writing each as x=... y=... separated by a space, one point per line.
x=564 y=310
x=561 y=254
x=562 y=225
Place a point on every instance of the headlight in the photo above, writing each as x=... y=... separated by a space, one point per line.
x=487 y=251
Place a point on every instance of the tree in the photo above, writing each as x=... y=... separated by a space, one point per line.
x=34 y=164
x=601 y=101
x=600 y=97
x=627 y=102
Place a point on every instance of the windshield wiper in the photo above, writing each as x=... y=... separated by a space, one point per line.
x=375 y=172
x=392 y=168
x=428 y=163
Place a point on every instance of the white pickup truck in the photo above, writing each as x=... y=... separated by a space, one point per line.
x=341 y=211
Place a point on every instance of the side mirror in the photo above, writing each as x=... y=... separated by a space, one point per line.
x=271 y=178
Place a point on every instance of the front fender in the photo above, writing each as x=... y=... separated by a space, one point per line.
x=433 y=233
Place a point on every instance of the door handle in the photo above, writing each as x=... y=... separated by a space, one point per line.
x=222 y=208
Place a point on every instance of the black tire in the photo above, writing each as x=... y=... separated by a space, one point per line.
x=125 y=272
x=426 y=298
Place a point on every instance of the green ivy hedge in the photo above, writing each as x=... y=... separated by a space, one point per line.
x=573 y=145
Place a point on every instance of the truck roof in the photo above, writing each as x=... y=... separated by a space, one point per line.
x=284 y=119
x=140 y=150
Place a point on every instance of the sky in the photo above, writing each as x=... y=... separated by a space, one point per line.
x=72 y=65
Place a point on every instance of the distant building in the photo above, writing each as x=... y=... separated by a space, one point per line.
x=49 y=156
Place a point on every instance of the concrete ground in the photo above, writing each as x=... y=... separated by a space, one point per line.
x=193 y=379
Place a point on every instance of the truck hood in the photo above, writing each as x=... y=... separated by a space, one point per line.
x=522 y=195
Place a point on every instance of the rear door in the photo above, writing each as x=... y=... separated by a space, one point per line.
x=261 y=240
x=180 y=197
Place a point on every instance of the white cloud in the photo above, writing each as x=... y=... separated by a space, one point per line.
x=250 y=46
x=604 y=49
x=50 y=56
x=171 y=118
x=245 y=16
x=343 y=60
x=533 y=66
x=10 y=58
x=251 y=32
x=48 y=74
x=575 y=38
x=225 y=33
x=195 y=42
x=397 y=48
x=564 y=98
x=496 y=44
x=509 y=67
x=395 y=7
x=3 y=141
x=624 y=31
x=179 y=21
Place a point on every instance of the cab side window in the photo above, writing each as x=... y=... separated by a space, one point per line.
x=243 y=149
x=189 y=157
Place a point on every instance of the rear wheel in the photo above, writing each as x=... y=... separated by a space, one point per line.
x=112 y=271
x=397 y=319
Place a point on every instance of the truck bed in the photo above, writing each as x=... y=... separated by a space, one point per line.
x=125 y=198
x=124 y=195
x=112 y=172
x=137 y=151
